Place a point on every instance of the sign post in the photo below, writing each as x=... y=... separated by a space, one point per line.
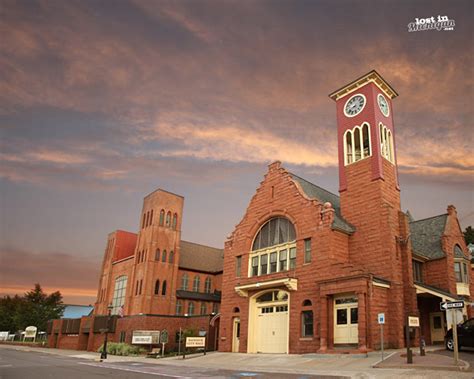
x=412 y=322
x=164 y=341
x=381 y=319
x=452 y=306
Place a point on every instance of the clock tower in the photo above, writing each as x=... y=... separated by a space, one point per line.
x=368 y=179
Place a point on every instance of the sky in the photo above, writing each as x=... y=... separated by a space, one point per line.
x=102 y=102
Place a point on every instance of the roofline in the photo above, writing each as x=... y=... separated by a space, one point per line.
x=220 y=271
x=325 y=190
x=427 y=218
x=343 y=91
x=162 y=190
x=200 y=244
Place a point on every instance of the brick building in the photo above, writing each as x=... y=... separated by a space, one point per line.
x=307 y=271
x=152 y=280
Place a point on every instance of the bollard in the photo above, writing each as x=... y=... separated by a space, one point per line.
x=422 y=347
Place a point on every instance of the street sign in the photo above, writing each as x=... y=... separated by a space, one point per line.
x=381 y=318
x=445 y=305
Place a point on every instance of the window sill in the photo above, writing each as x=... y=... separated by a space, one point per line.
x=306 y=338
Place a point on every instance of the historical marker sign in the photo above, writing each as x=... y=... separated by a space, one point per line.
x=445 y=305
x=195 y=341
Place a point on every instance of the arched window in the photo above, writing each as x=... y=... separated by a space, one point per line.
x=190 y=308
x=175 y=221
x=151 y=217
x=163 y=256
x=157 y=287
x=179 y=307
x=357 y=144
x=307 y=303
x=203 y=308
x=274 y=248
x=118 y=299
x=163 y=288
x=386 y=143
x=207 y=285
x=147 y=219
x=236 y=310
x=157 y=255
x=184 y=282
x=162 y=217
x=143 y=220
x=171 y=258
x=196 y=283
x=168 y=219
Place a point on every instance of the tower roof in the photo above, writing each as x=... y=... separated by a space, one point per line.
x=374 y=77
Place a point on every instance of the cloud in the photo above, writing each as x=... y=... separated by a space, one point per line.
x=73 y=276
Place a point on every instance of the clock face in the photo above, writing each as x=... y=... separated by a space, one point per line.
x=354 y=105
x=383 y=105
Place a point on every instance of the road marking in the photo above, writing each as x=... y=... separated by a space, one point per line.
x=133 y=370
x=6 y=365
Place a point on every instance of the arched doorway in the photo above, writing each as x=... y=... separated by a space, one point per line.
x=268 y=322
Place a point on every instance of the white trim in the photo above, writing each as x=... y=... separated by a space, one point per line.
x=444 y=297
x=360 y=110
x=361 y=143
x=290 y=283
x=378 y=284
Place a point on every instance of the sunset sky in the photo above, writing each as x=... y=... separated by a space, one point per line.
x=101 y=102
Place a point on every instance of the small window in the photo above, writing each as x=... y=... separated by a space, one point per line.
x=162 y=217
x=236 y=310
x=207 y=285
x=147 y=219
x=163 y=288
x=238 y=266
x=171 y=258
x=341 y=317
x=203 y=308
x=179 y=307
x=457 y=272
x=184 y=282
x=157 y=287
x=143 y=220
x=307 y=303
x=307 y=250
x=263 y=264
x=292 y=258
x=151 y=217
x=175 y=221
x=354 y=315
x=307 y=323
x=163 y=257
x=157 y=255
x=190 y=308
x=196 y=283
x=123 y=335
x=215 y=308
x=168 y=219
x=254 y=266
x=273 y=262
x=417 y=271
x=283 y=260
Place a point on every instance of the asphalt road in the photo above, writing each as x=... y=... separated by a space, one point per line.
x=466 y=354
x=16 y=364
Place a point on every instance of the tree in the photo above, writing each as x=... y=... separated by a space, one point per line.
x=35 y=308
x=469 y=235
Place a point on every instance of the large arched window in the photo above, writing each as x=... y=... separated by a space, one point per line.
x=175 y=221
x=120 y=289
x=162 y=217
x=386 y=143
x=207 y=285
x=196 y=283
x=184 y=282
x=274 y=248
x=157 y=287
x=357 y=144
x=168 y=219
x=163 y=288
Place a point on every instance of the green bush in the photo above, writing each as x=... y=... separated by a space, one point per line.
x=121 y=348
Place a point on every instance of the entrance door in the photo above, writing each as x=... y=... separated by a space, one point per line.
x=272 y=329
x=236 y=335
x=346 y=320
x=437 y=327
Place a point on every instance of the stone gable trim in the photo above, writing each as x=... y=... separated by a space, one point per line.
x=290 y=283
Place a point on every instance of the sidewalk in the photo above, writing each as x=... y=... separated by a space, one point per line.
x=342 y=365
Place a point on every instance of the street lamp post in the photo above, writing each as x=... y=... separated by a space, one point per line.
x=103 y=355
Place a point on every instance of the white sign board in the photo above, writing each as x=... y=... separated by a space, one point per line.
x=195 y=341
x=145 y=337
x=413 y=321
x=455 y=314
x=381 y=318
x=4 y=336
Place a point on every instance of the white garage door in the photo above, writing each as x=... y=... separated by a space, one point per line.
x=272 y=329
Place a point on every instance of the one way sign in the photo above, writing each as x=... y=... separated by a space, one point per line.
x=445 y=305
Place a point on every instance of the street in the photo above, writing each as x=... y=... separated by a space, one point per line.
x=16 y=364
